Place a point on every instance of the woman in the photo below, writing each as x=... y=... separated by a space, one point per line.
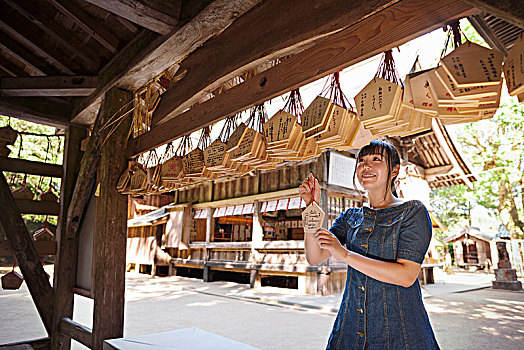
x=383 y=246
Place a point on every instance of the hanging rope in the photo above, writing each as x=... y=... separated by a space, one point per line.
x=453 y=38
x=205 y=138
x=228 y=128
x=387 y=70
x=257 y=118
x=333 y=91
x=294 y=105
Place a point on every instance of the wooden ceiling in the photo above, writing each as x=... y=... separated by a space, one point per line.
x=59 y=57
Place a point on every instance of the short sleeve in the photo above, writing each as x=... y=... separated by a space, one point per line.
x=415 y=234
x=340 y=227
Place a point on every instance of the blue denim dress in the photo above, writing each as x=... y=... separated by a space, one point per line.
x=374 y=314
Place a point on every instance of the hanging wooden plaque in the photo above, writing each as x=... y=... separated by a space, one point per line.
x=12 y=280
x=420 y=93
x=514 y=68
x=315 y=116
x=471 y=64
x=23 y=193
x=214 y=154
x=138 y=181
x=377 y=100
x=171 y=169
x=468 y=93
x=234 y=139
x=312 y=218
x=279 y=127
x=193 y=162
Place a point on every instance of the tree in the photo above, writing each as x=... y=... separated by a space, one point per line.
x=496 y=146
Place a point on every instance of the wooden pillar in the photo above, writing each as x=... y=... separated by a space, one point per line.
x=257 y=235
x=111 y=228
x=66 y=258
x=210 y=228
x=25 y=252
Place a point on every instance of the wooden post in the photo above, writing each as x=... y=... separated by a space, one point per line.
x=66 y=258
x=25 y=252
x=111 y=228
x=257 y=235
x=210 y=228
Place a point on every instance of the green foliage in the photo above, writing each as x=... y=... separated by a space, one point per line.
x=36 y=148
x=451 y=205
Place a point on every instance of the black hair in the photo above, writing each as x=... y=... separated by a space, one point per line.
x=386 y=150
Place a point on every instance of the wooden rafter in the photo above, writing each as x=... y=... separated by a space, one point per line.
x=49 y=111
x=24 y=56
x=388 y=28
x=63 y=36
x=158 y=16
x=25 y=252
x=477 y=21
x=511 y=11
x=87 y=23
x=11 y=68
x=149 y=54
x=48 y=86
x=259 y=36
x=15 y=32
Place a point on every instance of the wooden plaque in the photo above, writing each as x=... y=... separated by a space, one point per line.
x=312 y=218
x=214 y=154
x=171 y=168
x=514 y=68
x=471 y=64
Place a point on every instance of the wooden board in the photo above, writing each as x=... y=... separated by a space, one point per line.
x=388 y=28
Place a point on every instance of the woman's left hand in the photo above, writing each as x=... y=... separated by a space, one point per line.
x=329 y=241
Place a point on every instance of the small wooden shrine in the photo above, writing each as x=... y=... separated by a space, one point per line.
x=121 y=78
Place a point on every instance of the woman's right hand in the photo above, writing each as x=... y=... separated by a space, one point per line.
x=310 y=190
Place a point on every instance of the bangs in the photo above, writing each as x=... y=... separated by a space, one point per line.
x=374 y=147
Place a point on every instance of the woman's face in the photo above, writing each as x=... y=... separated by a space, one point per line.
x=372 y=172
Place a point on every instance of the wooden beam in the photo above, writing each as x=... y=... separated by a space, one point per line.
x=156 y=15
x=51 y=28
x=511 y=11
x=28 y=206
x=66 y=259
x=87 y=23
x=88 y=167
x=386 y=29
x=111 y=231
x=480 y=25
x=48 y=86
x=12 y=69
x=15 y=33
x=85 y=109
x=16 y=165
x=76 y=331
x=438 y=170
x=41 y=110
x=42 y=248
x=149 y=54
x=282 y=28
x=28 y=259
